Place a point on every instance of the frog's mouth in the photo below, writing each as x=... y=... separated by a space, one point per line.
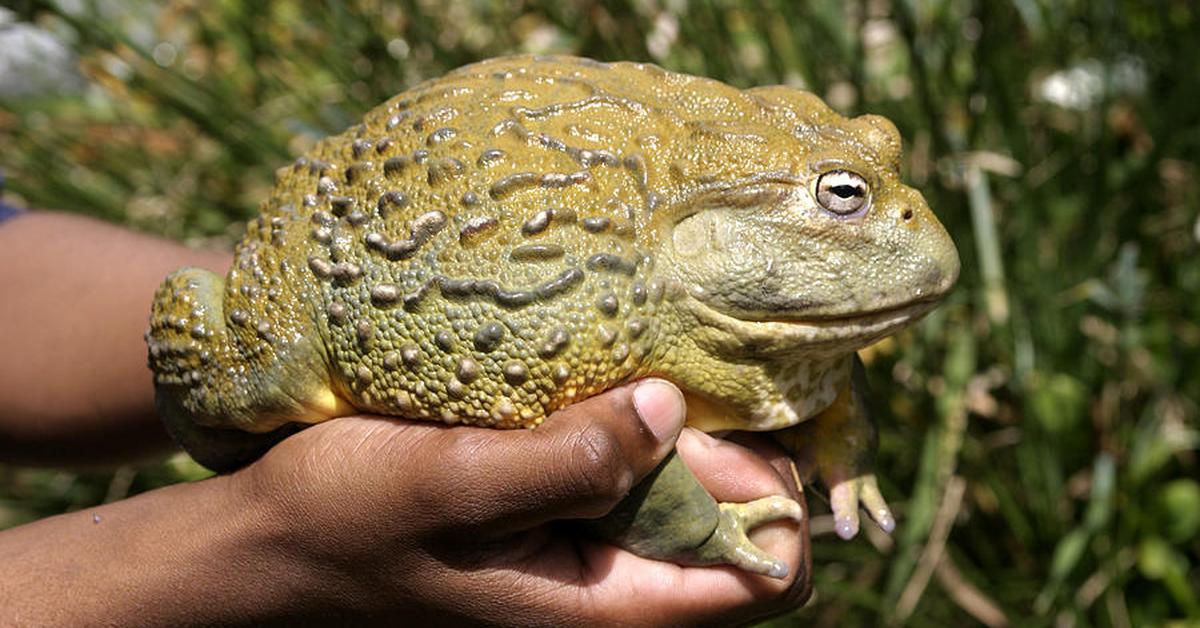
x=915 y=307
x=831 y=334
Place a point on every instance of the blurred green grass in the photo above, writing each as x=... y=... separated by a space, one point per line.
x=1041 y=434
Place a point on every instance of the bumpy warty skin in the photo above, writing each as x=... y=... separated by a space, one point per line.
x=525 y=232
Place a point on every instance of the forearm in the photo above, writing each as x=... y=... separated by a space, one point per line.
x=74 y=387
x=190 y=554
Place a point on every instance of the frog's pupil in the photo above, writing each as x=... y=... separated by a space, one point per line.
x=847 y=191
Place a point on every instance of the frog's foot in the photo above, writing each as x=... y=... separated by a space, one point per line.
x=846 y=496
x=670 y=516
x=730 y=543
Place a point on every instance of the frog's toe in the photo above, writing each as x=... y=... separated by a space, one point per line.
x=731 y=544
x=845 y=498
x=872 y=500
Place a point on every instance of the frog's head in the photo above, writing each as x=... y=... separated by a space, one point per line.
x=827 y=254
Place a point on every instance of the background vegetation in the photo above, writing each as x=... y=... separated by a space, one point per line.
x=1042 y=435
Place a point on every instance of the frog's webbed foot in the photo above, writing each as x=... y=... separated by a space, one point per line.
x=730 y=544
x=669 y=516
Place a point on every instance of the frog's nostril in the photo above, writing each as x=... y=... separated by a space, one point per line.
x=907 y=215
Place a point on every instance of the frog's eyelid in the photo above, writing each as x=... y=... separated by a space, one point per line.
x=821 y=166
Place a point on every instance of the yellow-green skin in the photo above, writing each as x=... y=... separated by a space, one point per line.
x=526 y=232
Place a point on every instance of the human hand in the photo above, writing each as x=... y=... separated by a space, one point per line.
x=377 y=518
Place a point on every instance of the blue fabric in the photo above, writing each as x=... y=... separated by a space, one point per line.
x=6 y=211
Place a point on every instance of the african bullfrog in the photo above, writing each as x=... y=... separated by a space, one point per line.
x=522 y=233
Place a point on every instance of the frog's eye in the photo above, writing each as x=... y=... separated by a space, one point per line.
x=842 y=192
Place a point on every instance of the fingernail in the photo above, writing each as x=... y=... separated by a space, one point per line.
x=660 y=406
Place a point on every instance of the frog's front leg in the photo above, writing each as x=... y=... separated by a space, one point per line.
x=839 y=445
x=670 y=516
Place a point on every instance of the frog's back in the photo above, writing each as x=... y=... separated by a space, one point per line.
x=481 y=247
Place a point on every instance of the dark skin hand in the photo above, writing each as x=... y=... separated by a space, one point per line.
x=368 y=519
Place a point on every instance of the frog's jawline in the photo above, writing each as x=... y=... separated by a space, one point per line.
x=912 y=309
x=852 y=331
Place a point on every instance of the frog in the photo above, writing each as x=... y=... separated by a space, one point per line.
x=525 y=232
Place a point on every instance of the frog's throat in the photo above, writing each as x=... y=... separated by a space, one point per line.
x=788 y=393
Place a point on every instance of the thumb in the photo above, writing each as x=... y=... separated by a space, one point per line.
x=578 y=464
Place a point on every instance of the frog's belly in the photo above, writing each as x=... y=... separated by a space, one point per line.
x=798 y=391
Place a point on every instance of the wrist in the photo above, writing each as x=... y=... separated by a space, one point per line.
x=253 y=560
x=296 y=551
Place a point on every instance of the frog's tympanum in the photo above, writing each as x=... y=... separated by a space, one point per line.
x=525 y=232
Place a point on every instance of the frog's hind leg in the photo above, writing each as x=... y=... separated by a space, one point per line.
x=229 y=384
x=669 y=516
x=219 y=449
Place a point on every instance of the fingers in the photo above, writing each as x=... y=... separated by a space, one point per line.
x=729 y=471
x=578 y=464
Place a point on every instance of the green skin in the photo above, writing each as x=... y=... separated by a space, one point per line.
x=669 y=516
x=524 y=233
